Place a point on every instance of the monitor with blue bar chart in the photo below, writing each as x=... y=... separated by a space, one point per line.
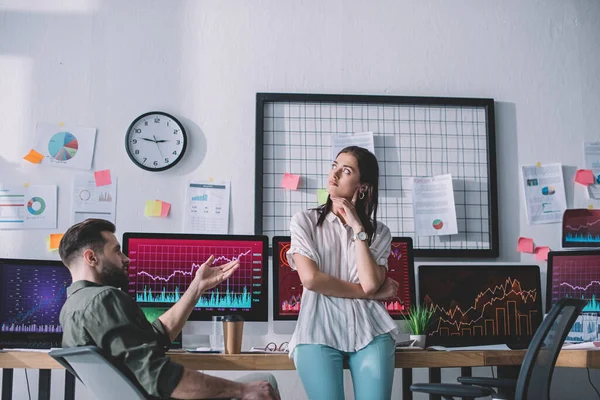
x=287 y=287
x=32 y=293
x=481 y=304
x=163 y=265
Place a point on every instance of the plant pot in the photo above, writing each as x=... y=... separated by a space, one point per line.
x=419 y=341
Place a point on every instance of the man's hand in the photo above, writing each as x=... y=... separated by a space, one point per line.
x=260 y=390
x=208 y=276
x=388 y=290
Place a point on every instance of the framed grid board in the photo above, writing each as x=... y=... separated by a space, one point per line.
x=413 y=137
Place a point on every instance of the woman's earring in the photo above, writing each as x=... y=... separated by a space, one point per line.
x=361 y=195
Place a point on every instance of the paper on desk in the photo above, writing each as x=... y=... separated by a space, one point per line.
x=471 y=348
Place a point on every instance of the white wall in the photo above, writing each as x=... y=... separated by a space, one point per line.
x=102 y=63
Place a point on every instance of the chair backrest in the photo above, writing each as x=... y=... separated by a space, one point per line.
x=100 y=373
x=538 y=365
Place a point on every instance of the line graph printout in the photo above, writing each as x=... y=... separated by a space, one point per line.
x=574 y=274
x=32 y=296
x=161 y=270
x=581 y=228
x=288 y=288
x=479 y=305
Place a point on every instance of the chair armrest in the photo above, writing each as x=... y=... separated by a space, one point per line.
x=449 y=389
x=489 y=382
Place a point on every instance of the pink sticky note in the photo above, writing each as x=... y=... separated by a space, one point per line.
x=525 y=245
x=102 y=177
x=290 y=181
x=585 y=177
x=164 y=210
x=541 y=252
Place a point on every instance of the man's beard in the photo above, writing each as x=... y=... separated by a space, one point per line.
x=112 y=275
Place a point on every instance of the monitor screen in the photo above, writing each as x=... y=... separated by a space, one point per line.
x=32 y=293
x=480 y=305
x=574 y=274
x=287 y=288
x=163 y=265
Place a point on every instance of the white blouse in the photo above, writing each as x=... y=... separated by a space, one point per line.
x=344 y=324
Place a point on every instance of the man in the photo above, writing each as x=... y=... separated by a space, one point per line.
x=98 y=313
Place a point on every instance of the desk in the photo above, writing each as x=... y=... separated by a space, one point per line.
x=407 y=360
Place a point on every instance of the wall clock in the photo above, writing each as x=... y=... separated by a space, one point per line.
x=155 y=141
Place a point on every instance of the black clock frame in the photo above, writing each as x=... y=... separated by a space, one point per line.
x=177 y=160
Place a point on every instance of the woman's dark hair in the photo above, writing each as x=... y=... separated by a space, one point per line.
x=366 y=208
x=86 y=234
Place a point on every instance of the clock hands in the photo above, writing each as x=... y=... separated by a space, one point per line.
x=156 y=141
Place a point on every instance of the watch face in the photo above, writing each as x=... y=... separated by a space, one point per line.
x=155 y=141
x=362 y=235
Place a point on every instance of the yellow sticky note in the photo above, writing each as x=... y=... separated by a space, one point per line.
x=322 y=196
x=55 y=240
x=61 y=124
x=26 y=184
x=149 y=207
x=590 y=207
x=538 y=164
x=210 y=179
x=34 y=157
x=156 y=208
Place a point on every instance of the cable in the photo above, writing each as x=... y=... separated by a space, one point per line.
x=27 y=379
x=590 y=379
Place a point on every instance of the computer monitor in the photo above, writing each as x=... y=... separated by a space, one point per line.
x=287 y=288
x=163 y=265
x=32 y=293
x=574 y=274
x=481 y=304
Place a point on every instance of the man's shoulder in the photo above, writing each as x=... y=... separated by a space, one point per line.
x=82 y=298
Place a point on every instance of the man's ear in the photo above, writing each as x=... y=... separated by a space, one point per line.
x=90 y=257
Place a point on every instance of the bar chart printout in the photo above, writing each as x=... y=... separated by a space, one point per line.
x=162 y=269
x=31 y=297
x=478 y=305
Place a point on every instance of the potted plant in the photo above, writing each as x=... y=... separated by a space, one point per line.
x=418 y=319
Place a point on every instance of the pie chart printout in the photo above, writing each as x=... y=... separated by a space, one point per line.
x=63 y=146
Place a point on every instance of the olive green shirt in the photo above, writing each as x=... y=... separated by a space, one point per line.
x=110 y=319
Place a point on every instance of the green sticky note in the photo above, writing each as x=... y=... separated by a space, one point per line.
x=148 y=208
x=322 y=196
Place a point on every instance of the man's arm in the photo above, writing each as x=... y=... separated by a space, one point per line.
x=196 y=385
x=207 y=277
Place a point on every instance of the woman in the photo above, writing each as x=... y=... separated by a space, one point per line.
x=340 y=252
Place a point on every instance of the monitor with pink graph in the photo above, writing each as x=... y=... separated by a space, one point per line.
x=163 y=265
x=287 y=288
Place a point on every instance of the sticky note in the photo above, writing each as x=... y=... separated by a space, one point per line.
x=55 y=240
x=210 y=179
x=322 y=196
x=61 y=124
x=149 y=207
x=590 y=207
x=156 y=208
x=585 y=177
x=34 y=157
x=26 y=184
x=102 y=177
x=164 y=209
x=290 y=181
x=525 y=245
x=538 y=164
x=541 y=252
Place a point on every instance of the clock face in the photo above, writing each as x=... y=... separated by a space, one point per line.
x=155 y=141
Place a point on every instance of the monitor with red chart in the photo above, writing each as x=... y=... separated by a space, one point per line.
x=481 y=304
x=32 y=293
x=574 y=274
x=287 y=288
x=164 y=264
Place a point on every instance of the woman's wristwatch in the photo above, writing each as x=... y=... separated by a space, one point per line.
x=362 y=236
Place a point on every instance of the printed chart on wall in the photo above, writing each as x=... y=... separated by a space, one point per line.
x=544 y=190
x=207 y=207
x=32 y=207
x=298 y=135
x=91 y=201
x=66 y=147
x=161 y=270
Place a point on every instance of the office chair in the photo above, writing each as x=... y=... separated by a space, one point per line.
x=101 y=374
x=536 y=370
